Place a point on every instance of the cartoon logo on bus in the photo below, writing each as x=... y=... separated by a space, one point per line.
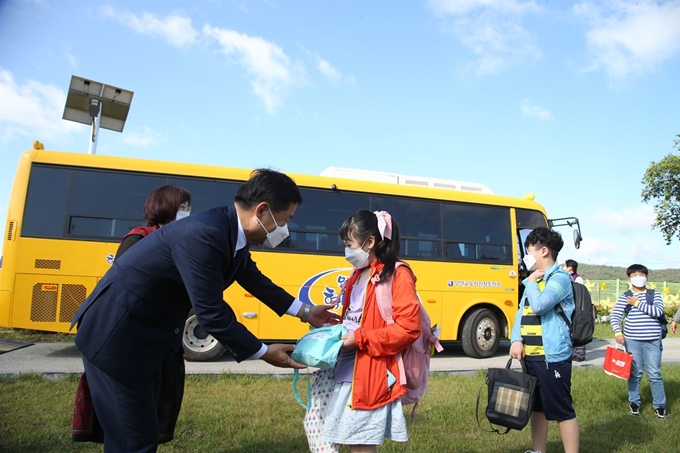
x=325 y=287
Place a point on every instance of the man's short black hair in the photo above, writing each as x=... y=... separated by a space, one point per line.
x=637 y=268
x=572 y=264
x=276 y=188
x=545 y=237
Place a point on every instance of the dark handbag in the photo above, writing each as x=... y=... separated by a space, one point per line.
x=510 y=397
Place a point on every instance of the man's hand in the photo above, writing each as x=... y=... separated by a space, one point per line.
x=321 y=314
x=277 y=355
x=632 y=300
x=674 y=326
x=517 y=350
x=619 y=339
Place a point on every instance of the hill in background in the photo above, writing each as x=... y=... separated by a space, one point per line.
x=602 y=272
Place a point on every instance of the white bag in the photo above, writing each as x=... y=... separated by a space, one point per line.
x=323 y=383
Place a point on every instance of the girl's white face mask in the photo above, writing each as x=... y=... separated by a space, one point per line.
x=357 y=257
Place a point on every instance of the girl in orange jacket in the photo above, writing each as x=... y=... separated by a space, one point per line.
x=365 y=407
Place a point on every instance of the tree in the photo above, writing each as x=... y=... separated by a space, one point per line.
x=662 y=184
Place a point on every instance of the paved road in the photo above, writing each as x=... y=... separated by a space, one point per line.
x=64 y=358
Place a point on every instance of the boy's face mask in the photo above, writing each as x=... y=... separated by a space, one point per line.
x=639 y=281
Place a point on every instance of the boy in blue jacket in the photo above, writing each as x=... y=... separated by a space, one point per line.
x=541 y=338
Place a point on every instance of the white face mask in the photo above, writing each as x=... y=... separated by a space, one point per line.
x=639 y=281
x=277 y=236
x=357 y=257
x=529 y=261
x=182 y=214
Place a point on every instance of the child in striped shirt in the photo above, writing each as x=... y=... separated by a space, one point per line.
x=641 y=336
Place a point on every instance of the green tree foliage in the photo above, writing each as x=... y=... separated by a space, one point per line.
x=662 y=184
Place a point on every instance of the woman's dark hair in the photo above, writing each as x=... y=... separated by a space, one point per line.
x=362 y=225
x=276 y=188
x=162 y=205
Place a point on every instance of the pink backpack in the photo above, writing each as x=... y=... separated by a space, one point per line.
x=414 y=361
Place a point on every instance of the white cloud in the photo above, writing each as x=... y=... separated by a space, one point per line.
x=534 y=110
x=146 y=138
x=630 y=38
x=328 y=70
x=32 y=110
x=175 y=29
x=272 y=70
x=492 y=30
x=621 y=238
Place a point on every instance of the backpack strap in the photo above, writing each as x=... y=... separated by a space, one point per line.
x=558 y=307
x=383 y=294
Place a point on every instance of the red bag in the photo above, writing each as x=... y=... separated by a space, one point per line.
x=617 y=362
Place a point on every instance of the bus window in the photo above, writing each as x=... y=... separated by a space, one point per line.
x=477 y=233
x=419 y=223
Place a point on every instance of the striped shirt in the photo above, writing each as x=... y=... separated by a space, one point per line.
x=640 y=323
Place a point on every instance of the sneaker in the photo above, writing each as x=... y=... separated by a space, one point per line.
x=532 y=451
x=635 y=409
x=660 y=412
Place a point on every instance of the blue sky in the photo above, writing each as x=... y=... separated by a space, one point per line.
x=570 y=101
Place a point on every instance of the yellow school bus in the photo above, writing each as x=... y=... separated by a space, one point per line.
x=68 y=213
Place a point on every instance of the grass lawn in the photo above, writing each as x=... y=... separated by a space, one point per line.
x=250 y=414
x=36 y=336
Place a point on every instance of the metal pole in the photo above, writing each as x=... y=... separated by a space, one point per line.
x=95 y=131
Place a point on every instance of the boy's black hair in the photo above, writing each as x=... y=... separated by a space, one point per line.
x=545 y=237
x=637 y=268
x=276 y=188
x=572 y=264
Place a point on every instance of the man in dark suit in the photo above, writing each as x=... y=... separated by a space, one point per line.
x=136 y=313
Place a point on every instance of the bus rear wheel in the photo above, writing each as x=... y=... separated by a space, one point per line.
x=481 y=334
x=199 y=345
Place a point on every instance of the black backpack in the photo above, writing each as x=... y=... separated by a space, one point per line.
x=650 y=300
x=582 y=322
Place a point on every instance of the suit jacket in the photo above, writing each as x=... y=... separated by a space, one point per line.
x=136 y=313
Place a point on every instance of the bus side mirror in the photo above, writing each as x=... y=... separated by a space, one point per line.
x=577 y=239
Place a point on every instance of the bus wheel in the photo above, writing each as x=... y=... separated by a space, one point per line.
x=481 y=334
x=199 y=345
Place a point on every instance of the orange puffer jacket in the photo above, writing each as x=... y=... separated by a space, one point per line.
x=377 y=343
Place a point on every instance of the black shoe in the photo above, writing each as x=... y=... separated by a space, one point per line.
x=635 y=409
x=660 y=412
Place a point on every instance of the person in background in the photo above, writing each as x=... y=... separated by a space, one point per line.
x=675 y=321
x=541 y=338
x=164 y=205
x=641 y=336
x=136 y=313
x=365 y=407
x=571 y=266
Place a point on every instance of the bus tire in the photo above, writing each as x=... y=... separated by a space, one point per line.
x=481 y=334
x=199 y=345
